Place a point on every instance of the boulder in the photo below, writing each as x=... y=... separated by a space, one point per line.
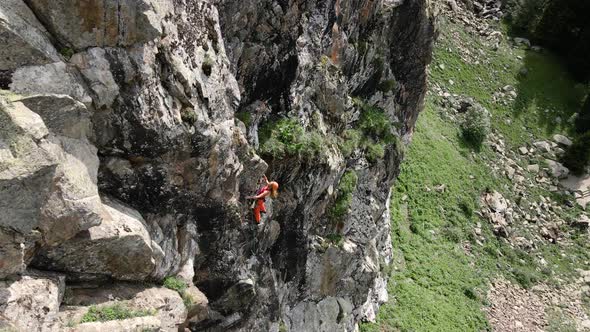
x=237 y=297
x=53 y=78
x=61 y=114
x=48 y=187
x=533 y=168
x=120 y=247
x=582 y=222
x=522 y=42
x=24 y=40
x=102 y=23
x=197 y=304
x=496 y=202
x=562 y=140
x=147 y=323
x=165 y=303
x=96 y=69
x=556 y=169
x=543 y=146
x=523 y=150
x=31 y=302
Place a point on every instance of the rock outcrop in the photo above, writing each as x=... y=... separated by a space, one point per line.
x=123 y=162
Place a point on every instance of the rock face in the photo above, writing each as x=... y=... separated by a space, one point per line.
x=124 y=160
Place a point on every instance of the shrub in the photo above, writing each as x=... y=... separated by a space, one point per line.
x=375 y=123
x=525 y=278
x=476 y=125
x=375 y=132
x=350 y=141
x=346 y=187
x=374 y=151
x=287 y=137
x=67 y=52
x=180 y=286
x=335 y=239
x=112 y=312
x=245 y=117
x=175 y=284
x=189 y=116
x=386 y=86
x=577 y=156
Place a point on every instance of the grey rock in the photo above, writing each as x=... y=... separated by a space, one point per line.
x=148 y=323
x=533 y=168
x=47 y=186
x=556 y=169
x=61 y=114
x=522 y=42
x=582 y=222
x=166 y=304
x=98 y=23
x=31 y=303
x=54 y=78
x=562 y=140
x=24 y=40
x=97 y=72
x=98 y=250
x=543 y=146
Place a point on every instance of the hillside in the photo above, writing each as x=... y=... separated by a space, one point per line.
x=489 y=239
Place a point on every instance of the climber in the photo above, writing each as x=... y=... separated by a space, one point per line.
x=270 y=189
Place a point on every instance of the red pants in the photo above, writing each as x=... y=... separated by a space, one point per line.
x=259 y=208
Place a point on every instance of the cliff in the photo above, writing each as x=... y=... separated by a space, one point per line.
x=132 y=132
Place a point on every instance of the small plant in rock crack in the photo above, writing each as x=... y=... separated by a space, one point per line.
x=346 y=187
x=207 y=65
x=116 y=311
x=175 y=283
x=180 y=286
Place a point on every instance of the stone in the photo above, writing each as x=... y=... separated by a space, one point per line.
x=47 y=187
x=533 y=168
x=238 y=296
x=54 y=78
x=61 y=114
x=147 y=323
x=543 y=146
x=24 y=40
x=98 y=250
x=197 y=309
x=97 y=23
x=522 y=42
x=31 y=303
x=508 y=88
x=440 y=188
x=562 y=140
x=556 y=169
x=582 y=222
x=167 y=304
x=96 y=70
x=496 y=202
x=523 y=150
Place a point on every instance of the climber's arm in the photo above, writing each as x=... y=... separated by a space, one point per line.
x=262 y=195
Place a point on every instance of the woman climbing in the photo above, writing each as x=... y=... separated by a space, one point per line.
x=270 y=189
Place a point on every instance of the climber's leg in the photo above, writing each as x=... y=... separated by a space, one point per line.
x=258 y=209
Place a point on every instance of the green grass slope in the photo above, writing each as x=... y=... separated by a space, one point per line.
x=441 y=271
